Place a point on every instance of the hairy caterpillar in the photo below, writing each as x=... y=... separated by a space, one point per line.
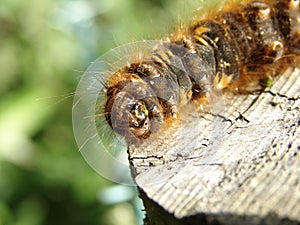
x=238 y=48
x=231 y=49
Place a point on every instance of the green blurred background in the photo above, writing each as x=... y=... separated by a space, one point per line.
x=45 y=45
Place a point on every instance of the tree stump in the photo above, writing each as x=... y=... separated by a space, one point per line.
x=238 y=163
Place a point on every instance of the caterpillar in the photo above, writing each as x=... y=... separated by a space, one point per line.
x=236 y=49
x=136 y=91
x=239 y=48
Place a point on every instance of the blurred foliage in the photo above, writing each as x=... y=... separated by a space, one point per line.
x=44 y=47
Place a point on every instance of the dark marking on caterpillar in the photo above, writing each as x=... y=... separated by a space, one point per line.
x=236 y=49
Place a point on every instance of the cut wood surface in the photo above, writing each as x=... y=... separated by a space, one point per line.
x=238 y=163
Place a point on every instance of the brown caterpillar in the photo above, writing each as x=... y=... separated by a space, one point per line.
x=237 y=48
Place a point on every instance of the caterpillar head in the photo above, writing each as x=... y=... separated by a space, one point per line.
x=132 y=109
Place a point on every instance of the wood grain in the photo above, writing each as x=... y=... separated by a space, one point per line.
x=237 y=163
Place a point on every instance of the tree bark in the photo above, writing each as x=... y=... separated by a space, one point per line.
x=237 y=163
